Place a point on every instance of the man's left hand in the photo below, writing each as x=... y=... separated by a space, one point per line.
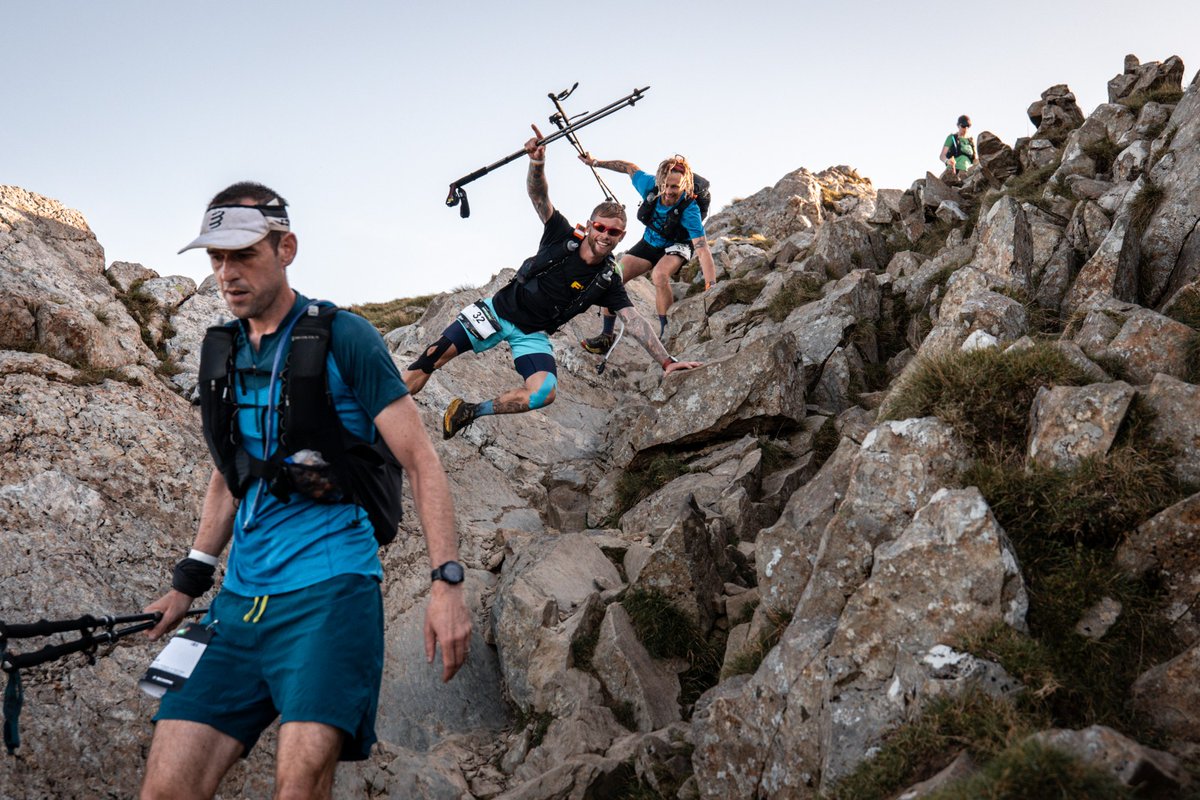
x=676 y=366
x=448 y=623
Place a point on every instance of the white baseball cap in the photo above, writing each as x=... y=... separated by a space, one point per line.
x=233 y=227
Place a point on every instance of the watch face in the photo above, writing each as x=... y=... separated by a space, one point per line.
x=452 y=572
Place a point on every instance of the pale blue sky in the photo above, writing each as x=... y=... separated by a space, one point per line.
x=361 y=113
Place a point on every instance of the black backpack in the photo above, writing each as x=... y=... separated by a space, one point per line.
x=556 y=254
x=367 y=472
x=672 y=228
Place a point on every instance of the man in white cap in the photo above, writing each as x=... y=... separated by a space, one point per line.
x=296 y=631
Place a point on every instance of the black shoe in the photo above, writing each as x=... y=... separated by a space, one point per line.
x=459 y=414
x=599 y=345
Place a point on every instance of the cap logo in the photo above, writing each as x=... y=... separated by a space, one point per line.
x=216 y=218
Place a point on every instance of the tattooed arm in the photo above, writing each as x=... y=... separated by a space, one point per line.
x=627 y=167
x=535 y=182
x=638 y=328
x=707 y=265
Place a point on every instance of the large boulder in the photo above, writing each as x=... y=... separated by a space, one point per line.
x=1139 y=78
x=1165 y=545
x=1005 y=249
x=1071 y=423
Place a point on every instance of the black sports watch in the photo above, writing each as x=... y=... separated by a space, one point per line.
x=451 y=572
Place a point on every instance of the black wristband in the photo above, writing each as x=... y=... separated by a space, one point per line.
x=192 y=577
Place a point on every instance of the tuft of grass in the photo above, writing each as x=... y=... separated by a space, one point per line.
x=666 y=632
x=1103 y=152
x=1031 y=770
x=984 y=394
x=982 y=725
x=1027 y=186
x=1144 y=204
x=1164 y=95
x=634 y=486
x=825 y=441
x=537 y=722
x=583 y=649
x=742 y=291
x=749 y=659
x=141 y=307
x=1041 y=319
x=397 y=313
x=933 y=239
x=796 y=291
x=774 y=454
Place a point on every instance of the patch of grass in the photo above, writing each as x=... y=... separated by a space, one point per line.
x=933 y=239
x=142 y=308
x=1032 y=770
x=583 y=649
x=796 y=291
x=538 y=723
x=666 y=632
x=1164 y=95
x=984 y=394
x=626 y=714
x=739 y=290
x=1144 y=204
x=636 y=485
x=830 y=196
x=774 y=455
x=394 y=314
x=825 y=441
x=1041 y=319
x=749 y=659
x=1027 y=187
x=1103 y=152
x=982 y=725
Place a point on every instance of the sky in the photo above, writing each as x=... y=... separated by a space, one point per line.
x=362 y=113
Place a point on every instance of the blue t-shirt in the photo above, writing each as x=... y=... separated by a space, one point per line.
x=283 y=546
x=691 y=222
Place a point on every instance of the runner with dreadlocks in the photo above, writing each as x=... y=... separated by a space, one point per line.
x=674 y=233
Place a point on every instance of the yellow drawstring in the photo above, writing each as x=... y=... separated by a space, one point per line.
x=261 y=609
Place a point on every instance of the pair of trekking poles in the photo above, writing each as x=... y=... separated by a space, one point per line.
x=93 y=632
x=567 y=128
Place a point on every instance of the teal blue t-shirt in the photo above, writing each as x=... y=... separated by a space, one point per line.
x=282 y=546
x=644 y=182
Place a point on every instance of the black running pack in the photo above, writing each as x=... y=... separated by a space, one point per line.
x=352 y=470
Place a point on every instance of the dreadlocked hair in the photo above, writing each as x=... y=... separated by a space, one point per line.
x=676 y=164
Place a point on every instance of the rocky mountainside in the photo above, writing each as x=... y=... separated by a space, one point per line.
x=921 y=526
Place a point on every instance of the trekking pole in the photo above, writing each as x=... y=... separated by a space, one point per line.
x=89 y=640
x=458 y=195
x=560 y=120
x=604 y=361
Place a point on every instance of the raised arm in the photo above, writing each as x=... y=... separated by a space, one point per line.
x=535 y=182
x=627 y=167
x=447 y=621
x=637 y=327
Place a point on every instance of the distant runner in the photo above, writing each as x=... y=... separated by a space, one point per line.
x=958 y=152
x=573 y=270
x=674 y=203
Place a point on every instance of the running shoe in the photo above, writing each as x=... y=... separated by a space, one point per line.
x=459 y=414
x=599 y=344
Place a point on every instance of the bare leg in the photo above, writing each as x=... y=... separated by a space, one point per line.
x=307 y=760
x=516 y=401
x=187 y=761
x=416 y=379
x=663 y=270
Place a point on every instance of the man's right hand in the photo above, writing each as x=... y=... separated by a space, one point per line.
x=172 y=605
x=536 y=151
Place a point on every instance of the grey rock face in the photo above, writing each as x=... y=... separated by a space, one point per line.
x=1070 y=423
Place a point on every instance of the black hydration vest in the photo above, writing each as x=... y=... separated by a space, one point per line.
x=366 y=472
x=555 y=255
x=672 y=228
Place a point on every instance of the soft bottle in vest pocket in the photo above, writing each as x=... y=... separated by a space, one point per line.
x=479 y=320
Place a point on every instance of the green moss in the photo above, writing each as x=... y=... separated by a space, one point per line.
x=1032 y=770
x=538 y=724
x=394 y=314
